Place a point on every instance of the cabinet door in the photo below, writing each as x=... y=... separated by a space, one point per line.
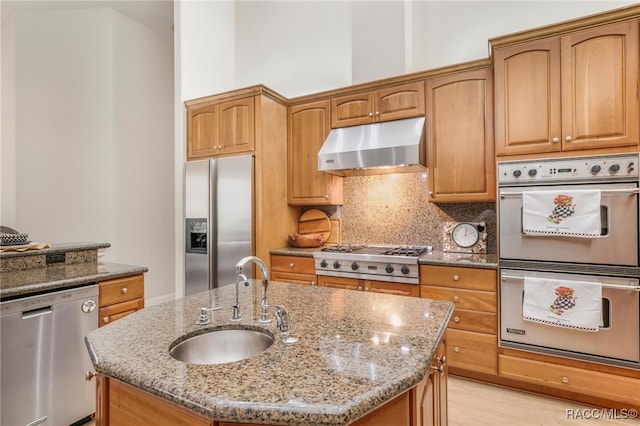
x=352 y=110
x=527 y=97
x=309 y=125
x=293 y=278
x=111 y=313
x=202 y=132
x=338 y=282
x=392 y=288
x=402 y=101
x=600 y=87
x=460 y=137
x=237 y=126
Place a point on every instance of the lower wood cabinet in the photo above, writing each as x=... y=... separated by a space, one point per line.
x=120 y=297
x=472 y=333
x=293 y=269
x=625 y=390
x=398 y=289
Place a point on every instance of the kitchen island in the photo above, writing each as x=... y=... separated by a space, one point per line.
x=361 y=359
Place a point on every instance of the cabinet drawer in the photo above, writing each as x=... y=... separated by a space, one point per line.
x=121 y=290
x=449 y=276
x=111 y=313
x=472 y=351
x=301 y=265
x=482 y=322
x=462 y=299
x=586 y=382
x=294 y=278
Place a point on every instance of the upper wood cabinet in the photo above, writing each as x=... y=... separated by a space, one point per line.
x=223 y=128
x=460 y=137
x=309 y=125
x=390 y=103
x=571 y=92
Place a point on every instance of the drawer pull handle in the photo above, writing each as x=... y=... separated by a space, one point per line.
x=105 y=319
x=456 y=298
x=124 y=290
x=456 y=319
x=456 y=349
x=565 y=379
x=291 y=265
x=456 y=278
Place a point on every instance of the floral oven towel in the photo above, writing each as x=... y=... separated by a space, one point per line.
x=574 y=213
x=572 y=304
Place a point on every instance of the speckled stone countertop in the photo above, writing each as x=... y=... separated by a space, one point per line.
x=55 y=248
x=41 y=280
x=356 y=351
x=436 y=257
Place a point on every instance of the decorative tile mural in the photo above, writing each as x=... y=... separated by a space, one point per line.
x=393 y=209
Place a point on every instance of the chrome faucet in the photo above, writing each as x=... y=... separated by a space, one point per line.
x=264 y=304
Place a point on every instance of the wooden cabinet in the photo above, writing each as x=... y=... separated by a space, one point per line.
x=309 y=126
x=398 y=289
x=220 y=128
x=472 y=342
x=431 y=394
x=594 y=383
x=388 y=103
x=119 y=298
x=568 y=92
x=460 y=156
x=293 y=269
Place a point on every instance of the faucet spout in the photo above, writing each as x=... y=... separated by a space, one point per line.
x=264 y=314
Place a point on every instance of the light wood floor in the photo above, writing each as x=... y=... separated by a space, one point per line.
x=476 y=404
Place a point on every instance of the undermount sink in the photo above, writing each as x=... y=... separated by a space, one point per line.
x=221 y=346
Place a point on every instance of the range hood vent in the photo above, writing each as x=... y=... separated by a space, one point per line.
x=379 y=148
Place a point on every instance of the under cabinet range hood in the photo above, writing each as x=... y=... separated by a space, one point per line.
x=380 y=148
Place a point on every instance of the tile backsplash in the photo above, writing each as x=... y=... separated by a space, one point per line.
x=393 y=209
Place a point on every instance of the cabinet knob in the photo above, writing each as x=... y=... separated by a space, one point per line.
x=456 y=349
x=442 y=360
x=291 y=265
x=89 y=375
x=377 y=112
x=456 y=298
x=565 y=379
x=555 y=140
x=370 y=114
x=313 y=283
x=326 y=197
x=360 y=288
x=456 y=278
x=105 y=319
x=456 y=319
x=438 y=368
x=568 y=139
x=124 y=290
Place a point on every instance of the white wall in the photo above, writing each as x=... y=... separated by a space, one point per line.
x=94 y=136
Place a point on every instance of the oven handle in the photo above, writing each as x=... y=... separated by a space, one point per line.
x=616 y=286
x=604 y=191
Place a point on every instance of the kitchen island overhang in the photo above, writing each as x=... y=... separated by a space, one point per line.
x=356 y=351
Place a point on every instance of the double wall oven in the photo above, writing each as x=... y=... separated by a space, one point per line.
x=610 y=259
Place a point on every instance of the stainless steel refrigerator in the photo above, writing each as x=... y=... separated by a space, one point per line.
x=218 y=210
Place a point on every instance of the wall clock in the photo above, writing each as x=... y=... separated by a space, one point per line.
x=465 y=237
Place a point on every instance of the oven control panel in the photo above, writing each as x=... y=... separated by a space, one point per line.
x=592 y=168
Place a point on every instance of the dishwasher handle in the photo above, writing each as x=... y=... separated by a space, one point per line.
x=37 y=312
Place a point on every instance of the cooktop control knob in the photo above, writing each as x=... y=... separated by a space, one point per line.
x=324 y=263
x=614 y=167
x=595 y=169
x=405 y=270
x=355 y=266
x=389 y=269
x=517 y=173
x=336 y=265
x=532 y=172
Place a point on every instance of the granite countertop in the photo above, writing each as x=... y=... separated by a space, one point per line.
x=55 y=248
x=39 y=280
x=356 y=351
x=436 y=257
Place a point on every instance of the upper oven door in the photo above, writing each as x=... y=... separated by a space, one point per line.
x=618 y=244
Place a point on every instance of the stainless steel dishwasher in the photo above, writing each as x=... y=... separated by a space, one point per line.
x=43 y=358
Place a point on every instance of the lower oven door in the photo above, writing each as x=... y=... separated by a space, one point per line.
x=617 y=341
x=619 y=229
